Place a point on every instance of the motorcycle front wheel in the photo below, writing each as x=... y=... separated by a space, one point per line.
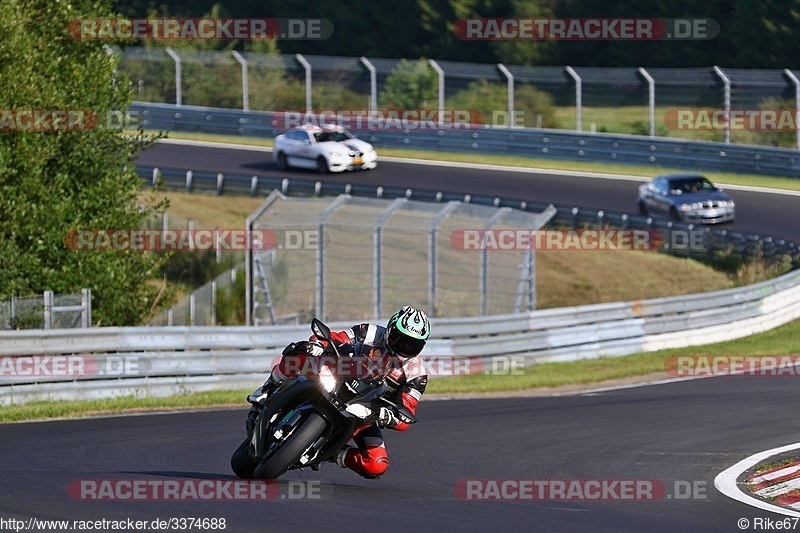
x=277 y=463
x=241 y=462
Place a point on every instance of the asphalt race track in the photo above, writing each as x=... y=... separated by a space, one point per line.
x=687 y=432
x=681 y=433
x=770 y=214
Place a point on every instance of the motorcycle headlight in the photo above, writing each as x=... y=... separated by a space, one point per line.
x=327 y=379
x=359 y=410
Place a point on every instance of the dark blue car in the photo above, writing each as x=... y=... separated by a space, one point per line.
x=686 y=198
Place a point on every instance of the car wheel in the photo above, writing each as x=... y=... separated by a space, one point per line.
x=282 y=163
x=642 y=208
x=322 y=165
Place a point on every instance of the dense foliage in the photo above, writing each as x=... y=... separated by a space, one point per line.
x=57 y=181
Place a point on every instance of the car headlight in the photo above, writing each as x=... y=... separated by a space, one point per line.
x=334 y=154
x=686 y=207
x=327 y=379
x=351 y=153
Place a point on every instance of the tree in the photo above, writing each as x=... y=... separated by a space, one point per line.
x=411 y=85
x=57 y=181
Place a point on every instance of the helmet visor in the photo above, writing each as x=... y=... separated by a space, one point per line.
x=403 y=345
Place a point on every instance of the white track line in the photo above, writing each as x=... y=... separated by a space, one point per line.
x=480 y=166
x=726 y=483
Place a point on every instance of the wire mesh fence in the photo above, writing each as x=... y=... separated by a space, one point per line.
x=47 y=311
x=354 y=258
x=614 y=100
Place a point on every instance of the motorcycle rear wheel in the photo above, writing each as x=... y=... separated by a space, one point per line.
x=278 y=463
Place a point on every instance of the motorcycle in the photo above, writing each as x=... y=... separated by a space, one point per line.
x=311 y=416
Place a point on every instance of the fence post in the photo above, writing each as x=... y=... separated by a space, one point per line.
x=245 y=92
x=48 y=309
x=178 y=86
x=433 y=265
x=512 y=123
x=651 y=99
x=373 y=84
x=165 y=221
x=307 y=66
x=483 y=272
x=789 y=74
x=86 y=303
x=323 y=217
x=191 y=309
x=214 y=303
x=578 y=98
x=377 y=263
x=440 y=73
x=727 y=102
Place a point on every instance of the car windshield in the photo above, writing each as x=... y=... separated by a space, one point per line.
x=691 y=185
x=336 y=136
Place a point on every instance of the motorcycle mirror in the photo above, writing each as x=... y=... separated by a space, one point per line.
x=321 y=330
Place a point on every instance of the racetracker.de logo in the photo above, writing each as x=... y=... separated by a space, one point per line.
x=584 y=29
x=212 y=29
x=560 y=489
x=390 y=119
x=72 y=366
x=126 y=490
x=687 y=366
x=516 y=239
x=175 y=240
x=736 y=119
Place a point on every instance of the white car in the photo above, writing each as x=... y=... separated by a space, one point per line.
x=326 y=149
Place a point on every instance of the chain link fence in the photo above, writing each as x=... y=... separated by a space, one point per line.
x=48 y=311
x=355 y=258
x=615 y=100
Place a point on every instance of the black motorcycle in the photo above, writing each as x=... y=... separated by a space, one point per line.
x=311 y=416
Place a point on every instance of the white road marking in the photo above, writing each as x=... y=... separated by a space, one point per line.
x=726 y=483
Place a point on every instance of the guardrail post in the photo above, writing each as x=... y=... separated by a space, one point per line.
x=727 y=102
x=178 y=83
x=439 y=72
x=245 y=90
x=254 y=186
x=220 y=179
x=578 y=98
x=156 y=173
x=651 y=99
x=307 y=66
x=512 y=123
x=189 y=176
x=48 y=309
x=373 y=83
x=789 y=74
x=86 y=304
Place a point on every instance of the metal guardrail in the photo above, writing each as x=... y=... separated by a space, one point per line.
x=171 y=360
x=713 y=238
x=526 y=142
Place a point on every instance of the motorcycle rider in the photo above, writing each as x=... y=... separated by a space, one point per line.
x=403 y=337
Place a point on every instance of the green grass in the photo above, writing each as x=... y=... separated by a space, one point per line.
x=784 y=340
x=722 y=178
x=126 y=404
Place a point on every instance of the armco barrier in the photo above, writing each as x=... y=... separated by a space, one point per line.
x=180 y=359
x=526 y=142
x=714 y=238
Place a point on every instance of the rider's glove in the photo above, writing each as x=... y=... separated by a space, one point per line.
x=315 y=348
x=387 y=417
